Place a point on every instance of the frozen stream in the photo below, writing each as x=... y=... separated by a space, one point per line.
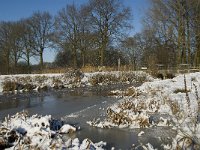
x=76 y=106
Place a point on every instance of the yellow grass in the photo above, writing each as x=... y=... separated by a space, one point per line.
x=87 y=69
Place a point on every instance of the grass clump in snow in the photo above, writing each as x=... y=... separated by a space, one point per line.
x=17 y=85
x=124 y=114
x=130 y=92
x=57 y=83
x=127 y=114
x=181 y=91
x=29 y=87
x=9 y=86
x=99 y=79
x=174 y=107
x=188 y=126
x=118 y=77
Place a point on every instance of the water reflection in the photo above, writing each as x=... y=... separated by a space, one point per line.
x=57 y=104
x=120 y=139
x=11 y=106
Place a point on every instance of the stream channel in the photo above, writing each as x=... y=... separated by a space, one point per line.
x=76 y=107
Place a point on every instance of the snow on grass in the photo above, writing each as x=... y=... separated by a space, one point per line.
x=29 y=82
x=67 y=129
x=36 y=132
x=171 y=102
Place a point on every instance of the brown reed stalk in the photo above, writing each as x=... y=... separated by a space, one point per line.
x=187 y=96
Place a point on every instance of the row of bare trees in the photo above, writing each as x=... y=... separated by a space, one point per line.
x=90 y=30
x=23 y=39
x=170 y=36
x=96 y=34
x=86 y=33
x=171 y=33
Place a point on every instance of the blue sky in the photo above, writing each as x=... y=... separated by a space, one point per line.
x=11 y=10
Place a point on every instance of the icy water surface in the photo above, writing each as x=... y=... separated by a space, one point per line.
x=76 y=106
x=57 y=103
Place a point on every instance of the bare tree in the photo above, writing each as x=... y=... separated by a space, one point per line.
x=109 y=18
x=170 y=21
x=195 y=25
x=67 y=27
x=86 y=38
x=16 y=43
x=41 y=25
x=28 y=43
x=129 y=46
x=5 y=34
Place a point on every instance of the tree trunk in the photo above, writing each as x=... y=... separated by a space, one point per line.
x=197 y=50
x=83 y=59
x=188 y=43
x=197 y=36
x=74 y=58
x=183 y=29
x=15 y=65
x=28 y=64
x=188 y=36
x=183 y=43
x=41 y=59
x=104 y=47
x=102 y=56
x=179 y=35
x=7 y=63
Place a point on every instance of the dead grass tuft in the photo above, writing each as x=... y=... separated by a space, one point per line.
x=144 y=122
x=174 y=107
x=127 y=105
x=131 y=92
x=181 y=91
x=103 y=79
x=9 y=86
x=118 y=118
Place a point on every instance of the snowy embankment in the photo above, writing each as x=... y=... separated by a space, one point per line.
x=171 y=102
x=40 y=132
x=37 y=82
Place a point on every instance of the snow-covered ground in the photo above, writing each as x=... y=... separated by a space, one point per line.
x=171 y=102
x=29 y=82
x=40 y=132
